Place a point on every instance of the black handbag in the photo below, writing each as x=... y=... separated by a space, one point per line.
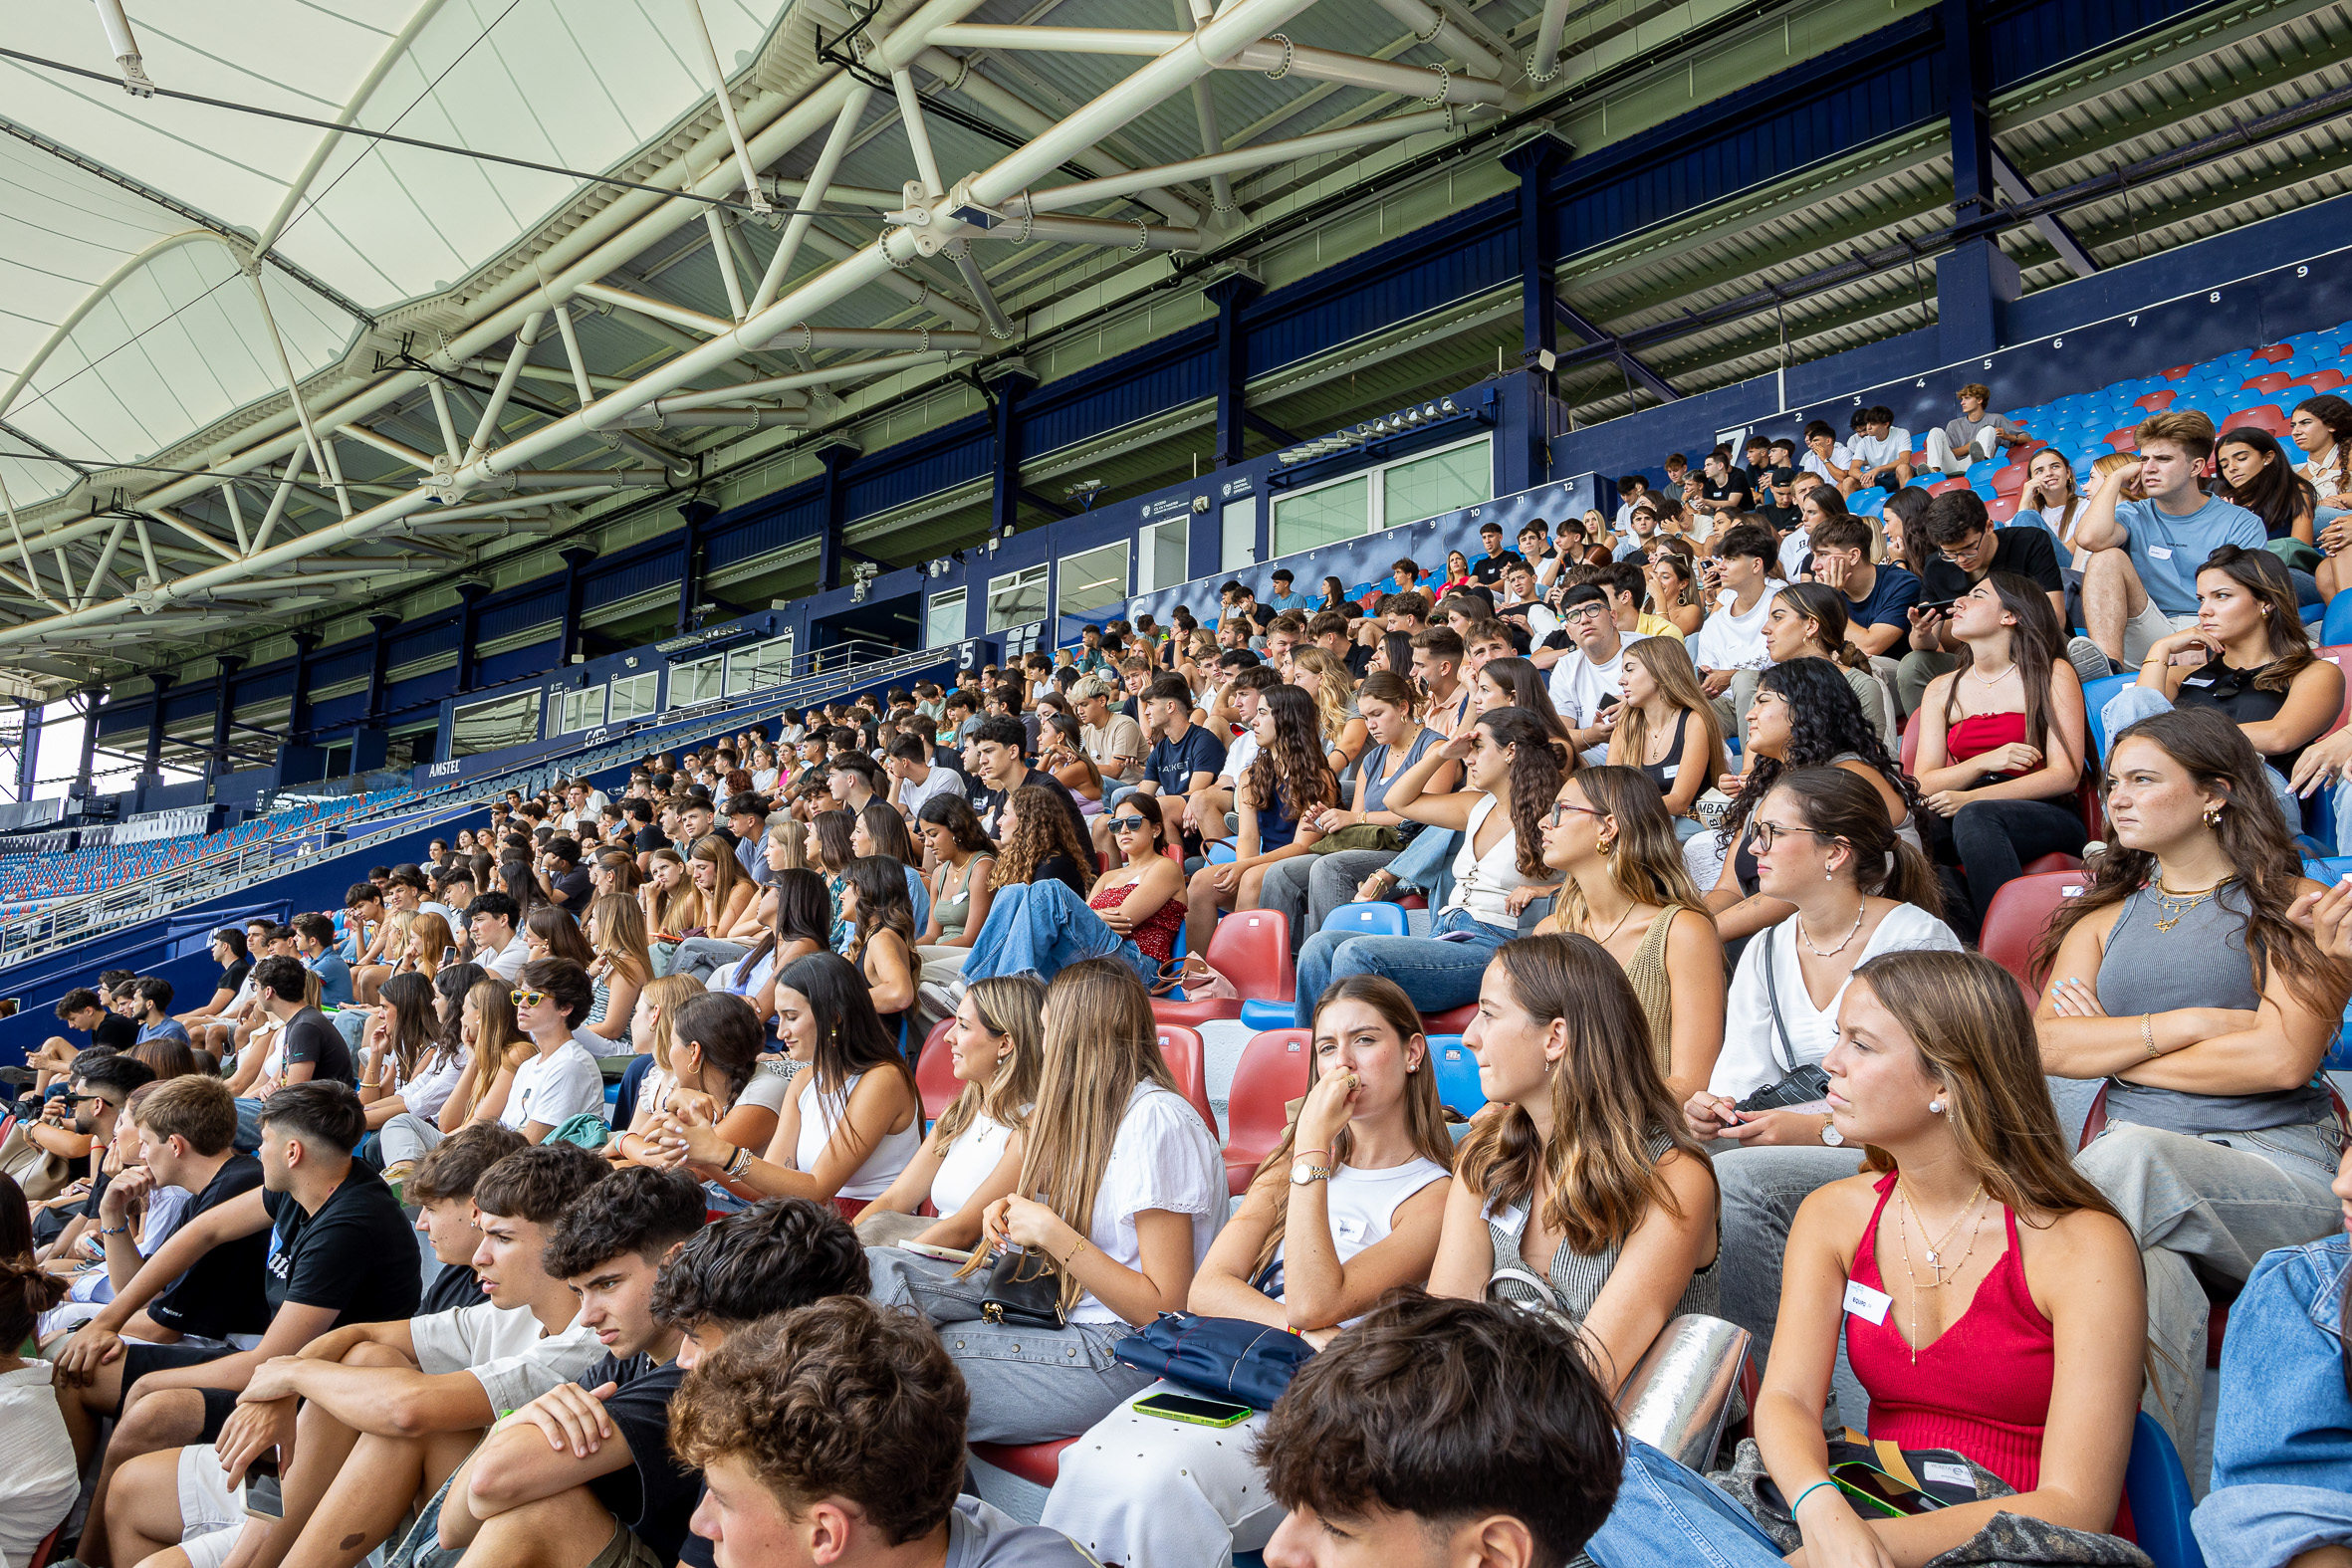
x=1798 y=1085
x=1024 y=1289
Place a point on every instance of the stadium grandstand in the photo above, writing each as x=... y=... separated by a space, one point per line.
x=1634 y=714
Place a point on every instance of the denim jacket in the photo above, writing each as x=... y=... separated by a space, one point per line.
x=2283 y=1436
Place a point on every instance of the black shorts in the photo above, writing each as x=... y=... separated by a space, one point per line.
x=140 y=1359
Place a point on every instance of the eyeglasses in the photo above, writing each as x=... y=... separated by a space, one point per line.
x=1127 y=825
x=527 y=999
x=1560 y=809
x=1766 y=833
x=1586 y=612
x=1960 y=547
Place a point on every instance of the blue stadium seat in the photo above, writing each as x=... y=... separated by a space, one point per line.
x=2337 y=626
x=1368 y=919
x=1456 y=1074
x=2157 y=1490
x=2095 y=696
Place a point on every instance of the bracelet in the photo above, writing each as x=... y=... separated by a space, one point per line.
x=1083 y=1243
x=738 y=1163
x=2148 y=1035
x=1807 y=1492
x=120 y=1230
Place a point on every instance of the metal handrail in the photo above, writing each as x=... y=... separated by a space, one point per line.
x=78 y=918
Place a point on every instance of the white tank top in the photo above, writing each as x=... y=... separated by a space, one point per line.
x=977 y=1150
x=818 y=1116
x=1483 y=882
x=1363 y=1205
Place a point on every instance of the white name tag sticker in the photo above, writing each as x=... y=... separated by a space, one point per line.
x=1510 y=1222
x=1670 y=770
x=1865 y=1303
x=2161 y=552
x=1944 y=1475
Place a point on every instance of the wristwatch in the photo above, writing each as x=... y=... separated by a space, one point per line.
x=1302 y=1172
x=1829 y=1133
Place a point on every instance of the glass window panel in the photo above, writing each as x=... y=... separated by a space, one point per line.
x=945 y=623
x=1425 y=486
x=1016 y=598
x=1094 y=580
x=1323 y=516
x=491 y=726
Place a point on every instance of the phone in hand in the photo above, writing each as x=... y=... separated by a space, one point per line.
x=1936 y=606
x=1193 y=1409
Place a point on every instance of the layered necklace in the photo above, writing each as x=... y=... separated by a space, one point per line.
x=1938 y=1275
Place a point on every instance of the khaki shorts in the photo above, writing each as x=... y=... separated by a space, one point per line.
x=2147 y=628
x=624 y=1550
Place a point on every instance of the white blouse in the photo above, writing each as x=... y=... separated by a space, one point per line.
x=1162 y=1157
x=1753 y=1054
x=978 y=1150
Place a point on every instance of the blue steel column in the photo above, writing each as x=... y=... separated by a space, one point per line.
x=575 y=559
x=297 y=711
x=28 y=763
x=380 y=668
x=470 y=594
x=164 y=680
x=836 y=455
x=1974 y=279
x=1011 y=380
x=696 y=514
x=224 y=685
x=91 y=696
x=1231 y=294
x=1524 y=458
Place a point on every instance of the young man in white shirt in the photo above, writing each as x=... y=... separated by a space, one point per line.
x=388 y=1410
x=1438 y=652
x=553 y=998
x=1825 y=456
x=914 y=779
x=1588 y=685
x=490 y=919
x=1882 y=452
x=1731 y=639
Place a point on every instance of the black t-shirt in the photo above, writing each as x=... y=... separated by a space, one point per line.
x=1490 y=568
x=1063 y=869
x=992 y=802
x=2029 y=553
x=222 y=1291
x=233 y=977
x=649 y=838
x=456 y=1285
x=1734 y=485
x=573 y=885
x=655 y=1495
x=116 y=1031
x=355 y=1256
x=310 y=1037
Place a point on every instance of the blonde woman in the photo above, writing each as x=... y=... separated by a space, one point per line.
x=1307 y=1257
x=974 y=1152
x=1326 y=680
x=665 y=892
x=620 y=968
x=720 y=885
x=1131 y=1191
x=429 y=939
x=1668 y=728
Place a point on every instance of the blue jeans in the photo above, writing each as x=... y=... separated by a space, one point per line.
x=1665 y=1513
x=2134 y=703
x=1040 y=929
x=1435 y=974
x=1417 y=864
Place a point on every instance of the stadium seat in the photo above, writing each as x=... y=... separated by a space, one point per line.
x=2157 y=1490
x=1188 y=1064
x=2155 y=402
x=2176 y=372
x=1451 y=1022
x=2272 y=354
x=2266 y=383
x=2326 y=380
x=935 y=1072
x=1252 y=948
x=2341 y=658
x=2095 y=696
x=2335 y=629
x=2019 y=914
x=2123 y=440
x=1941 y=486
x=1374 y=920
x=1456 y=1074
x=1039 y=1464
x=2263 y=416
x=1275 y=1068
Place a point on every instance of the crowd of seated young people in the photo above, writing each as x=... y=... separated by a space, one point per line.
x=1735 y=1059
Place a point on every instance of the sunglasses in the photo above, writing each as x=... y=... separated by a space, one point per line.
x=1127 y=824
x=527 y=999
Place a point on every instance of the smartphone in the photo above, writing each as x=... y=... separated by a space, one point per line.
x=1193 y=1409
x=262 y=1493
x=946 y=1255
x=1936 y=606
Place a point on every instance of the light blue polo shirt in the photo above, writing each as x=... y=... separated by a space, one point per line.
x=2166 y=549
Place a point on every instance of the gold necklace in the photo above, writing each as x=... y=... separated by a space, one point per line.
x=1902 y=1234
x=2176 y=904
x=1935 y=1248
x=1603 y=938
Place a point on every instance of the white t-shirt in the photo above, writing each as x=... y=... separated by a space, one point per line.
x=1733 y=642
x=1882 y=452
x=42 y=1478
x=1753 y=1054
x=1793 y=550
x=940 y=781
x=1239 y=754
x=509 y=961
x=429 y=1090
x=505 y=1350
x=1812 y=462
x=1580 y=688
x=978 y=1150
x=550 y=1089
x=1162 y=1157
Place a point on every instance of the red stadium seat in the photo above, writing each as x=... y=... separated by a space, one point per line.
x=2054 y=861
x=2155 y=402
x=1275 y=1068
x=1911 y=743
x=2272 y=354
x=2266 y=383
x=1252 y=948
x=2179 y=371
x=2002 y=508
x=2010 y=480
x=1188 y=1064
x=1451 y=1022
x=2019 y=914
x=2263 y=416
x=2125 y=440
x=1943 y=485
x=2320 y=381
x=2341 y=657
x=1039 y=1464
x=935 y=1072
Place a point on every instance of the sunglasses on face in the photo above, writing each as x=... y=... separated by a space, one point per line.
x=527 y=999
x=1127 y=825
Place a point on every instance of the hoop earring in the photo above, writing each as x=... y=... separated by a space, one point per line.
x=1608 y=848
x=2213 y=816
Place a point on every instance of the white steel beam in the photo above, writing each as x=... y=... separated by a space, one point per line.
x=1240 y=160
